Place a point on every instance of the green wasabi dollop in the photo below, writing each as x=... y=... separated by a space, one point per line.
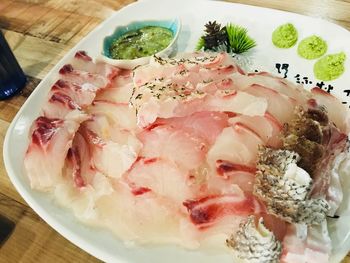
x=285 y=36
x=330 y=67
x=312 y=47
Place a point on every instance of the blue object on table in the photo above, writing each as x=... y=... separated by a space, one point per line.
x=6 y=228
x=12 y=78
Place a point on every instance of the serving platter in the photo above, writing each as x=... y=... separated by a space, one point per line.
x=260 y=23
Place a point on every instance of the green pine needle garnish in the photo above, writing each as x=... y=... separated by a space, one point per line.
x=200 y=44
x=238 y=39
x=230 y=38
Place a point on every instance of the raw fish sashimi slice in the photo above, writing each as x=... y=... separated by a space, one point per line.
x=63 y=113
x=197 y=59
x=337 y=112
x=79 y=162
x=327 y=182
x=192 y=67
x=82 y=200
x=150 y=108
x=47 y=150
x=116 y=94
x=59 y=105
x=83 y=185
x=150 y=73
x=83 y=62
x=279 y=106
x=84 y=78
x=227 y=185
x=65 y=97
x=205 y=125
x=229 y=175
x=201 y=78
x=110 y=158
x=306 y=244
x=206 y=79
x=212 y=86
x=236 y=102
x=206 y=211
x=145 y=219
x=118 y=114
x=121 y=88
x=107 y=131
x=161 y=177
x=236 y=145
x=121 y=84
x=280 y=85
x=266 y=127
x=81 y=95
x=79 y=84
x=176 y=146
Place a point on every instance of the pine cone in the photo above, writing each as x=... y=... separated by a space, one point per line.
x=212 y=28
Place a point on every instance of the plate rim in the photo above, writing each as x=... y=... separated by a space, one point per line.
x=14 y=178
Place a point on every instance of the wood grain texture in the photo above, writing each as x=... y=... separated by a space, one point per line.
x=33 y=240
x=336 y=11
x=40 y=32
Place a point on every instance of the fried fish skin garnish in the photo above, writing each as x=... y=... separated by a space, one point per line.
x=270 y=183
x=254 y=243
x=284 y=195
x=307 y=136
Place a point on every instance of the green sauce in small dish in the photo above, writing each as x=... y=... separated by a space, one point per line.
x=142 y=42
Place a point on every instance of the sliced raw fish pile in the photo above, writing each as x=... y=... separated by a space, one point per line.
x=52 y=133
x=194 y=151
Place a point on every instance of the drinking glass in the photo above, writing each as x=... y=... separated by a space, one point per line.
x=12 y=78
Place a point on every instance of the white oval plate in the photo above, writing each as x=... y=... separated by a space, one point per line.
x=193 y=14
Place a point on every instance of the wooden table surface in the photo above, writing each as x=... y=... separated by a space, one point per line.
x=40 y=32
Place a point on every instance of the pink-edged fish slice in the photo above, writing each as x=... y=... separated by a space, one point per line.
x=49 y=143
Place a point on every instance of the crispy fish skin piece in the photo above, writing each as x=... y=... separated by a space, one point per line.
x=307 y=135
x=318 y=141
x=255 y=243
x=310 y=212
x=271 y=167
x=283 y=196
